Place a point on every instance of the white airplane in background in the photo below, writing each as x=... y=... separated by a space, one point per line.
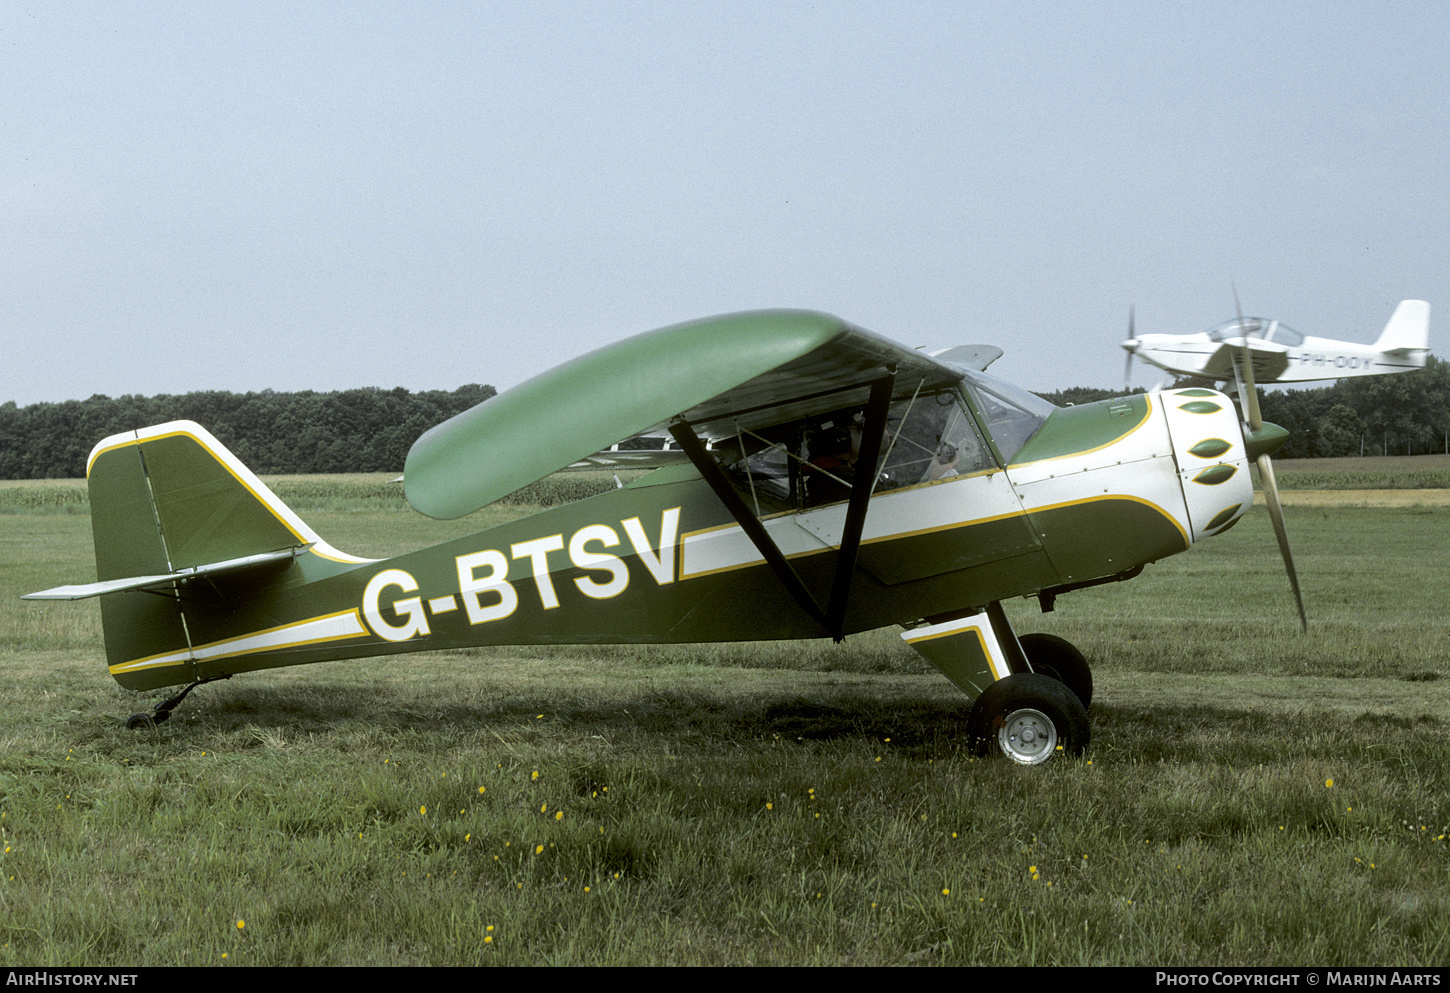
x=1282 y=355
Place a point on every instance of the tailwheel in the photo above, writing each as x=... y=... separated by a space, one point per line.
x=1060 y=659
x=162 y=711
x=1030 y=718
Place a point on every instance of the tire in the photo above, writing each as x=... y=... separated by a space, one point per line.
x=1030 y=718
x=1060 y=659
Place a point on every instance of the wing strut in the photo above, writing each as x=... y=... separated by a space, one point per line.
x=833 y=617
x=861 y=487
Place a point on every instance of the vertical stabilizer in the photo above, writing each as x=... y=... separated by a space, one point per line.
x=1408 y=329
x=170 y=504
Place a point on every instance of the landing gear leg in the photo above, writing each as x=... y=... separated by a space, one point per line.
x=973 y=650
x=162 y=710
x=1028 y=716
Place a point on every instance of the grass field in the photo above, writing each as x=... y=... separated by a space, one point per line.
x=1251 y=796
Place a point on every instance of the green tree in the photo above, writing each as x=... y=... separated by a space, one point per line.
x=361 y=430
x=1339 y=432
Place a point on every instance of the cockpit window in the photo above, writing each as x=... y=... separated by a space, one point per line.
x=1012 y=415
x=929 y=437
x=1256 y=327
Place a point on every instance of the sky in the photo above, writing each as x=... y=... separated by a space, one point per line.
x=323 y=196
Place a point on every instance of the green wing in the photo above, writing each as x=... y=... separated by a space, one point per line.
x=746 y=370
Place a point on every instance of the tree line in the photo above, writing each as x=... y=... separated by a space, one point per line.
x=371 y=429
x=361 y=430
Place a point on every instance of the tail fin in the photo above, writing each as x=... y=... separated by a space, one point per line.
x=170 y=504
x=1408 y=329
x=171 y=497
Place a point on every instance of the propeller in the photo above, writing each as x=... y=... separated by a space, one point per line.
x=1130 y=347
x=1260 y=440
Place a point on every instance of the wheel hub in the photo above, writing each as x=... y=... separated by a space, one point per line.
x=1027 y=736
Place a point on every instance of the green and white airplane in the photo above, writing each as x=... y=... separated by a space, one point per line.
x=826 y=481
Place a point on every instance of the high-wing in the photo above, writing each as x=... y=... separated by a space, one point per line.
x=747 y=370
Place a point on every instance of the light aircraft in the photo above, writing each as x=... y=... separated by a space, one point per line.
x=1282 y=355
x=828 y=481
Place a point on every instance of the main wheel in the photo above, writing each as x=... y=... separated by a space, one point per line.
x=1060 y=659
x=1028 y=717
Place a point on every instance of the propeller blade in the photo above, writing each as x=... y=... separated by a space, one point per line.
x=1266 y=466
x=1276 y=514
x=1128 y=366
x=1246 y=364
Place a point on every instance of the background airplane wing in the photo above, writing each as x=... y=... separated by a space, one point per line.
x=746 y=370
x=629 y=458
x=1270 y=360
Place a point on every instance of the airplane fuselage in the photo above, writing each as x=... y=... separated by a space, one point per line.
x=1099 y=490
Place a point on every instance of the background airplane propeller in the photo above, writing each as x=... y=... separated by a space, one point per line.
x=1260 y=441
x=1128 y=367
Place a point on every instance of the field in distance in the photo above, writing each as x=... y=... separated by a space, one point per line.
x=1365 y=473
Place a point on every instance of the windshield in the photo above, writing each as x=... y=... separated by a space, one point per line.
x=1012 y=415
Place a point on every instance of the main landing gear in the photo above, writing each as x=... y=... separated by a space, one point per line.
x=162 y=711
x=1029 y=718
x=1032 y=693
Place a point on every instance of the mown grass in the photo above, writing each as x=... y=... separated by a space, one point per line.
x=1252 y=795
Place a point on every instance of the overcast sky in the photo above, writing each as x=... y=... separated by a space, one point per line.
x=243 y=196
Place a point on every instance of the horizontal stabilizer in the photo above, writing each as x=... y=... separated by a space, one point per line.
x=86 y=590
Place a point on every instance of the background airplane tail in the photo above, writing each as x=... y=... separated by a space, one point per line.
x=170 y=504
x=1408 y=329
